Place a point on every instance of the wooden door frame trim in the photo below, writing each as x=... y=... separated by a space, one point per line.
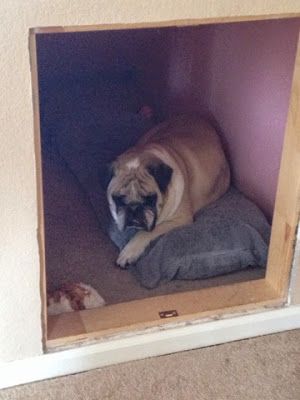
x=283 y=235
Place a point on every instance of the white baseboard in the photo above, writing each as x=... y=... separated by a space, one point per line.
x=148 y=345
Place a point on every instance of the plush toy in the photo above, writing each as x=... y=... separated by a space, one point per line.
x=73 y=297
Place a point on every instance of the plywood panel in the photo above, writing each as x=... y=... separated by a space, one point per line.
x=39 y=178
x=140 y=314
x=295 y=284
x=287 y=206
x=175 y=22
x=295 y=295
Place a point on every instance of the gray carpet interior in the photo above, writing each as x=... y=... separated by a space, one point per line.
x=265 y=368
x=77 y=250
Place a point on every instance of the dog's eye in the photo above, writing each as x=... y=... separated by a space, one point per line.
x=119 y=200
x=150 y=200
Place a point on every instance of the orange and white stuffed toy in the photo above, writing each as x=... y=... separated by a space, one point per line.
x=73 y=297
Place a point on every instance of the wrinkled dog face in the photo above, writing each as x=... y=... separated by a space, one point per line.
x=138 y=213
x=136 y=192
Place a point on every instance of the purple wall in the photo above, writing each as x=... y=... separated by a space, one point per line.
x=186 y=82
x=250 y=79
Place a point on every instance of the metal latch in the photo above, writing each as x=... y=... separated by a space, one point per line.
x=168 y=314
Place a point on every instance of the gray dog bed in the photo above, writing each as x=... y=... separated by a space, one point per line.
x=228 y=235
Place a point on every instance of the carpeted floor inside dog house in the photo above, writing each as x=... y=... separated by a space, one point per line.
x=88 y=78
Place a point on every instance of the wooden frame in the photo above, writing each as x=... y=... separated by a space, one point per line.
x=39 y=177
x=138 y=315
x=141 y=314
x=294 y=290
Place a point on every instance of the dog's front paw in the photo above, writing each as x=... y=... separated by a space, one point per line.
x=132 y=251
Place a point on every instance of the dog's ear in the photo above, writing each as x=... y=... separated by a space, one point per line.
x=162 y=174
x=106 y=175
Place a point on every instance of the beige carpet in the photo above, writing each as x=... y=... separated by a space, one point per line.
x=265 y=368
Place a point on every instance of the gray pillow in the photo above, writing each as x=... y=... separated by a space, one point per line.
x=230 y=234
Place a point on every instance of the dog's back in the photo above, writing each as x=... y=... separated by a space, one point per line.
x=197 y=149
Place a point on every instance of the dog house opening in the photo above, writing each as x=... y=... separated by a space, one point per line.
x=99 y=93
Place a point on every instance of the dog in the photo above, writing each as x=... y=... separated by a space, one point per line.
x=174 y=170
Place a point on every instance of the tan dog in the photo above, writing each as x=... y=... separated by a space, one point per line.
x=174 y=170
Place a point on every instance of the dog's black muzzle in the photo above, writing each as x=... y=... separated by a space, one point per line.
x=135 y=218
